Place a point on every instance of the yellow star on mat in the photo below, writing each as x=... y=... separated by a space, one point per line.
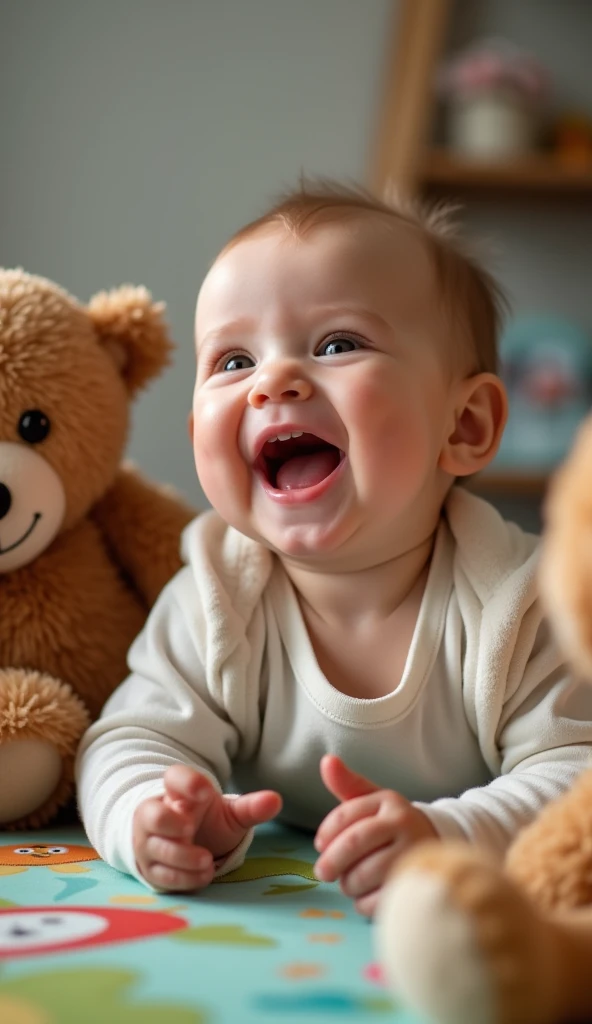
x=296 y=971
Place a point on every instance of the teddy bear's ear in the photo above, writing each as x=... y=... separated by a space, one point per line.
x=131 y=327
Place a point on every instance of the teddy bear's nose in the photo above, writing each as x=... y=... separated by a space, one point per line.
x=5 y=500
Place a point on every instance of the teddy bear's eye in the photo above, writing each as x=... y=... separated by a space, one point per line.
x=33 y=426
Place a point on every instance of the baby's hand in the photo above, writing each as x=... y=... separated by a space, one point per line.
x=178 y=836
x=359 y=840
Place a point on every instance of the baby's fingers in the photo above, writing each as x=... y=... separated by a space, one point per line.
x=181 y=856
x=176 y=866
x=350 y=846
x=343 y=816
x=156 y=817
x=253 y=809
x=163 y=876
x=187 y=791
x=369 y=873
x=366 y=905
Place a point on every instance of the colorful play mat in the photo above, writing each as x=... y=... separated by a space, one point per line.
x=81 y=943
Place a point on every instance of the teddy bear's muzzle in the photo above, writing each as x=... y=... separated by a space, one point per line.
x=32 y=505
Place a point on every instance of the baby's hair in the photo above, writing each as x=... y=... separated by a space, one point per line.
x=474 y=301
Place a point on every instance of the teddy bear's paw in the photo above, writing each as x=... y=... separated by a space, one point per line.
x=552 y=858
x=460 y=943
x=41 y=723
x=34 y=767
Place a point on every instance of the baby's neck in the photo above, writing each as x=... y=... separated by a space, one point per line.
x=360 y=596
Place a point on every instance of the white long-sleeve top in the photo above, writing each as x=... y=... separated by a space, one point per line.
x=484 y=727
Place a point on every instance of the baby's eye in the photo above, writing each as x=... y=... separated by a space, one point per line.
x=238 y=362
x=337 y=345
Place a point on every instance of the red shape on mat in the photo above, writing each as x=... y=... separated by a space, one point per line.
x=37 y=931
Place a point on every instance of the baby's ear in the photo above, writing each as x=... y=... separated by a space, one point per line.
x=477 y=424
x=132 y=329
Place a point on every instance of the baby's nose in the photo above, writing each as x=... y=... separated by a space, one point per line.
x=283 y=384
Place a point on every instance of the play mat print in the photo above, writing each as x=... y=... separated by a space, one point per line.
x=81 y=943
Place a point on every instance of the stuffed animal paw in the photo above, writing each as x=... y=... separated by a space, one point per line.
x=552 y=859
x=461 y=942
x=41 y=724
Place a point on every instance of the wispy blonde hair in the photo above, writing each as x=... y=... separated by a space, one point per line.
x=473 y=299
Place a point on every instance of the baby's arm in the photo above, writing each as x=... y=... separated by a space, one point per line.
x=536 y=737
x=172 y=710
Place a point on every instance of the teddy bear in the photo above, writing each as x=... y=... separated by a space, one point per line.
x=86 y=544
x=463 y=938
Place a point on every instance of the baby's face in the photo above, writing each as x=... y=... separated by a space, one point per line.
x=323 y=391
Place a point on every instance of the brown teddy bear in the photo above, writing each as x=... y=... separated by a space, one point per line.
x=463 y=939
x=85 y=543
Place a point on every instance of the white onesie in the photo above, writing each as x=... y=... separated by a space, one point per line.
x=485 y=726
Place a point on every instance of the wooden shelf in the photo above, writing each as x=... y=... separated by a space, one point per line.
x=511 y=483
x=446 y=171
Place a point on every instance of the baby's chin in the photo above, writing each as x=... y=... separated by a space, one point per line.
x=318 y=547
x=324 y=537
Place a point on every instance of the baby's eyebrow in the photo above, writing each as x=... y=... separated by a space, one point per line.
x=227 y=331
x=360 y=311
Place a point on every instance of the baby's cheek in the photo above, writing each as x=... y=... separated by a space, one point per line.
x=394 y=460
x=396 y=464
x=223 y=479
x=218 y=462
x=381 y=425
x=215 y=429
x=378 y=402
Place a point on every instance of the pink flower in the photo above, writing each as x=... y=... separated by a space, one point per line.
x=491 y=65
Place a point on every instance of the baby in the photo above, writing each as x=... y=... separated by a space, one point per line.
x=354 y=640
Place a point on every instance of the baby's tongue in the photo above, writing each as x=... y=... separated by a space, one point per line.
x=306 y=470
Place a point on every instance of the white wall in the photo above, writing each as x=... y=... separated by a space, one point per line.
x=138 y=134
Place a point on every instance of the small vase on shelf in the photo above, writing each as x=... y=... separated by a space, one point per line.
x=494 y=94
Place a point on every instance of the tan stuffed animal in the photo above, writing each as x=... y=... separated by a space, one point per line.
x=464 y=940
x=85 y=544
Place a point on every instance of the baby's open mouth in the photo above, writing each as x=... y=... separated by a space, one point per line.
x=297 y=460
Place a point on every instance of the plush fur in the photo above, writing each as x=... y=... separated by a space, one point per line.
x=527 y=924
x=71 y=606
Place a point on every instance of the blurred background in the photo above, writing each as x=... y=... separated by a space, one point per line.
x=137 y=135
